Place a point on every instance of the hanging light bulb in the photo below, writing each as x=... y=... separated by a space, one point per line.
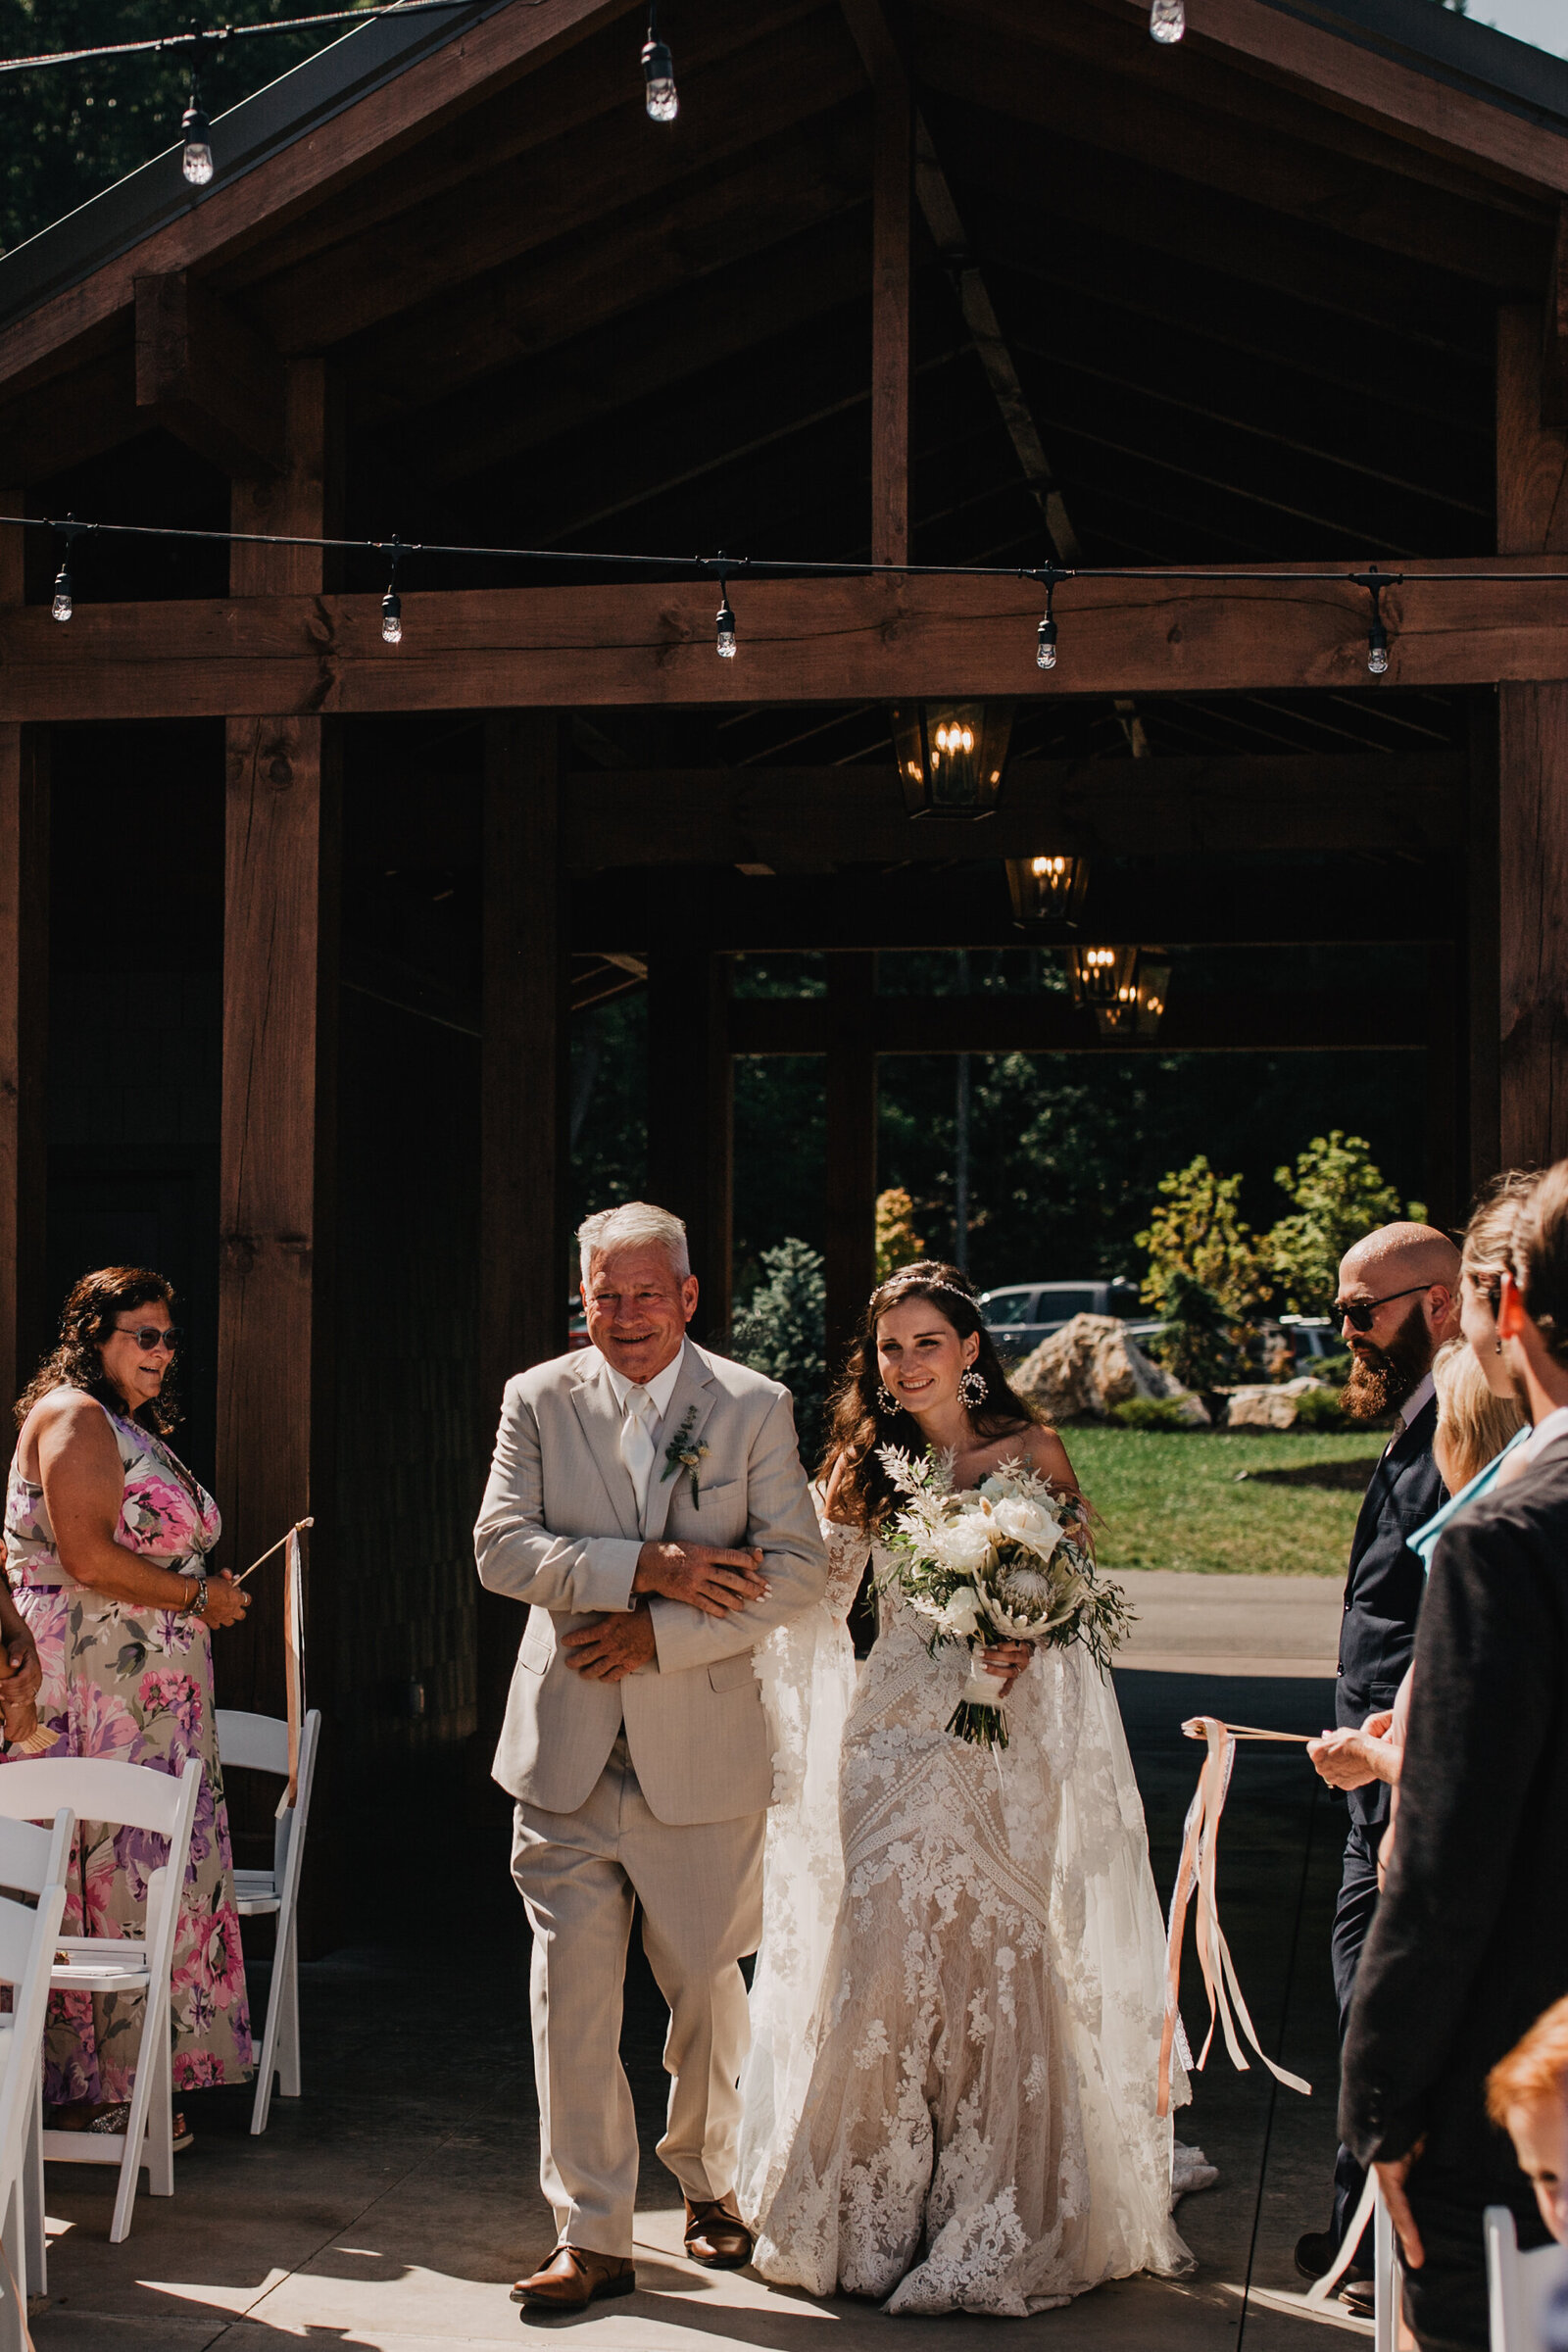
x=1168 y=20
x=659 y=72
x=63 y=603
x=1046 y=634
x=1377 y=636
x=196 y=132
x=724 y=627
x=392 y=603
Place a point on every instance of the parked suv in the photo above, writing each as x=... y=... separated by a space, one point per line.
x=1022 y=1314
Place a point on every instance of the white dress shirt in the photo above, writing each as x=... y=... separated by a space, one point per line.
x=1415 y=1402
x=659 y=1391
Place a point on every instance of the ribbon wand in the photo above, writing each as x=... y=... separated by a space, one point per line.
x=272 y=1547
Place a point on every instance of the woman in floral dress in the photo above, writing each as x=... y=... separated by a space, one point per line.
x=107 y=1534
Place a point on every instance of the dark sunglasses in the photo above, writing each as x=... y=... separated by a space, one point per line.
x=1358 y=1312
x=149 y=1336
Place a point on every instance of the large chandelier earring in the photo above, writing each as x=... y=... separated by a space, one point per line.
x=886 y=1402
x=972 y=1387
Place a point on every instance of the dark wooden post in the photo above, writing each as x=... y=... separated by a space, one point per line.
x=1483 y=1117
x=892 y=206
x=275 y=1369
x=851 y=1147
x=690 y=1106
x=23 y=1014
x=1531 y=778
x=525 y=1267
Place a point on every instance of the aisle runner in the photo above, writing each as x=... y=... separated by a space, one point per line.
x=1198 y=1868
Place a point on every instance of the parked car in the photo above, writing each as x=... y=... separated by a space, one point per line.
x=1019 y=1315
x=1310 y=1338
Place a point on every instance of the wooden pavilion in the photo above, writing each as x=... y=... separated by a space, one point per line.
x=967 y=281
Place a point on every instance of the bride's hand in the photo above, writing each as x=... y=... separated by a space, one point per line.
x=1006 y=1660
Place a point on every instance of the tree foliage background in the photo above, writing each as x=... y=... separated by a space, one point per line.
x=67 y=131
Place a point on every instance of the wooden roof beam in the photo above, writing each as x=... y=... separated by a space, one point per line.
x=1237 y=1021
x=1401 y=802
x=801 y=641
x=207 y=376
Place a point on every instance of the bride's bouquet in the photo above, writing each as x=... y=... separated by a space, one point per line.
x=1007 y=1561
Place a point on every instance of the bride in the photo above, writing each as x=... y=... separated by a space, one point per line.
x=956 y=2009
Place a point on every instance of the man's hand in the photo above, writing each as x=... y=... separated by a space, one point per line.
x=719 y=1582
x=1392 y=2179
x=1351 y=1759
x=612 y=1646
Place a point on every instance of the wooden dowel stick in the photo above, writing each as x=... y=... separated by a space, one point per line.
x=278 y=1546
x=1248 y=1731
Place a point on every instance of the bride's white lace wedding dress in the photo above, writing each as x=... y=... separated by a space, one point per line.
x=950 y=2100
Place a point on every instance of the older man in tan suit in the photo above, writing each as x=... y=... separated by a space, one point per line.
x=646 y=1501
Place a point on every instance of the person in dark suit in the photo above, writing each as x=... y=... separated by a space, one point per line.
x=1470 y=1942
x=1398 y=1303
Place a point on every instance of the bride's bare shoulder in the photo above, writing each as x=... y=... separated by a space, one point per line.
x=1045 y=1455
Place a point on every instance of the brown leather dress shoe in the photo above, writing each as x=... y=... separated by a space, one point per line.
x=715 y=2236
x=573 y=2277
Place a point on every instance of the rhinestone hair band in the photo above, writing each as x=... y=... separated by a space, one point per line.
x=925 y=1283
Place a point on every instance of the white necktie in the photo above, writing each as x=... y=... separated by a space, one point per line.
x=637 y=1445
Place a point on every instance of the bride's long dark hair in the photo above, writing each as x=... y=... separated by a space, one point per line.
x=857 y=1424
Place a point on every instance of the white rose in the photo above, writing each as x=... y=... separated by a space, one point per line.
x=1029 y=1524
x=961 y=1615
x=963 y=1545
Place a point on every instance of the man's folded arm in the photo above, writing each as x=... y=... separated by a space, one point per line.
x=1482 y=1702
x=518 y=1554
x=781 y=1519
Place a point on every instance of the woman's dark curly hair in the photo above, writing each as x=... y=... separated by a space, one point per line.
x=85 y=1321
x=858 y=1427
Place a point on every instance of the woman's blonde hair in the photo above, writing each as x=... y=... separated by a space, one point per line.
x=1473 y=1424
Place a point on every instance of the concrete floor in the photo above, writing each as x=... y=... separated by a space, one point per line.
x=391 y=2207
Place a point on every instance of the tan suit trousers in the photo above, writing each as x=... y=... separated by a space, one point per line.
x=701 y=1889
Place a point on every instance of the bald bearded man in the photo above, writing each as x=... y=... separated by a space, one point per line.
x=1398 y=1302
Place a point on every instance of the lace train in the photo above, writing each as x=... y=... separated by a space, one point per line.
x=950 y=2100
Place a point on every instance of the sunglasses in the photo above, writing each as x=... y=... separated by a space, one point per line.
x=149 y=1336
x=1358 y=1312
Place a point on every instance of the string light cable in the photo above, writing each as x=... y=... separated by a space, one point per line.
x=219 y=33
x=726 y=567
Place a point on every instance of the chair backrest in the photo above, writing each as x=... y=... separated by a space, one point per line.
x=260 y=1742
x=27 y=1939
x=33 y=1857
x=97 y=1789
x=255 y=1743
x=1519 y=2286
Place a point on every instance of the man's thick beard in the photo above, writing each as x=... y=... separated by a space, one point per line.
x=1381 y=1378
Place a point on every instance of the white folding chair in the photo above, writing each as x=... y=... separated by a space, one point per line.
x=260 y=1744
x=27 y=1941
x=1388 y=2280
x=138 y=1796
x=1519 y=2286
x=31 y=1859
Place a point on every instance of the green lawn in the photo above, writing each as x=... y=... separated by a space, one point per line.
x=1259 y=1502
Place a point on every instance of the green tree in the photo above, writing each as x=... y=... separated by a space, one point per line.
x=1339 y=1194
x=897 y=1242
x=1204 y=1275
x=782 y=1331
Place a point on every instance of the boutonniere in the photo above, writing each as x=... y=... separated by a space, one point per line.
x=681 y=1454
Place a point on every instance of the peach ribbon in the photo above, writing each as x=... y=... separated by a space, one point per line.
x=1197 y=1873
x=294 y=1652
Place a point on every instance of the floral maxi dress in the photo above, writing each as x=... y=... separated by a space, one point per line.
x=134 y=1682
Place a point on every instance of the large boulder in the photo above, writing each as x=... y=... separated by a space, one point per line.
x=1273 y=1407
x=1091 y=1364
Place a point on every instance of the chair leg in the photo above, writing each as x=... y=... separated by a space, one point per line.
x=288 y=2033
x=1386 y=2286
x=36 y=2234
x=13 y=2306
x=149 y=2140
x=274 y=2032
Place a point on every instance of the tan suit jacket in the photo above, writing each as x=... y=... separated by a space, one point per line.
x=557 y=1529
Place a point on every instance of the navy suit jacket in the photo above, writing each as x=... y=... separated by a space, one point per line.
x=1384 y=1589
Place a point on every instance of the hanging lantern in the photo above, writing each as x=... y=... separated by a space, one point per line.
x=1105 y=979
x=1153 y=990
x=1048 y=890
x=951 y=755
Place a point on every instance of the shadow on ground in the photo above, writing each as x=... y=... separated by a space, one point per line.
x=391 y=2207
